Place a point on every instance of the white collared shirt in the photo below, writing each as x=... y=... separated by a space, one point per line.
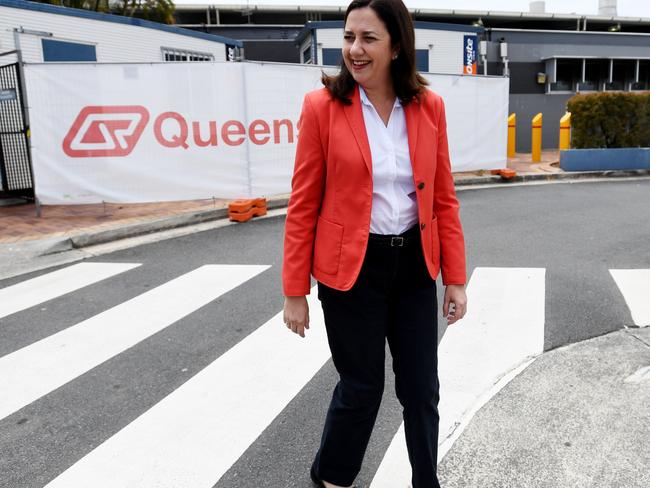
x=394 y=204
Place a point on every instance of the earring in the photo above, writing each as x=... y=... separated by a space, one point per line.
x=394 y=56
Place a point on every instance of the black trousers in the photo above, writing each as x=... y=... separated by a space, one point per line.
x=393 y=299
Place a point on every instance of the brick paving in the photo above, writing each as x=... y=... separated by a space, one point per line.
x=19 y=222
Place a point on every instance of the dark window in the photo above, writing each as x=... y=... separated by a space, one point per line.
x=568 y=73
x=331 y=57
x=622 y=74
x=644 y=76
x=306 y=55
x=596 y=73
x=67 y=51
x=422 y=60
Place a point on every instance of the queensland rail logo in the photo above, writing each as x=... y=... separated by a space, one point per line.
x=102 y=131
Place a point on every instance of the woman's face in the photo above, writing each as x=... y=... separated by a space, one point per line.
x=367 y=51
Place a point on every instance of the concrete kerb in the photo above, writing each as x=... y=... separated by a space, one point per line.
x=100 y=237
x=572 y=175
x=55 y=245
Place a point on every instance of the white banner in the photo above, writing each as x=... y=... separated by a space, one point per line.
x=178 y=131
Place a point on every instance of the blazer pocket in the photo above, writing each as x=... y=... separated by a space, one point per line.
x=327 y=246
x=435 y=241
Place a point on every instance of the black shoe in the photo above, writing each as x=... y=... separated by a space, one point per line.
x=317 y=481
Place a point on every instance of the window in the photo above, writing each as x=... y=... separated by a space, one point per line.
x=568 y=72
x=622 y=74
x=170 y=54
x=644 y=76
x=422 y=60
x=331 y=57
x=596 y=73
x=67 y=51
x=590 y=74
x=306 y=55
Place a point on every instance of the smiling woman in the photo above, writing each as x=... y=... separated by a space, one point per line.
x=373 y=216
x=378 y=51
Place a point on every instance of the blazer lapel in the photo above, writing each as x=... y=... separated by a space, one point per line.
x=412 y=116
x=354 y=115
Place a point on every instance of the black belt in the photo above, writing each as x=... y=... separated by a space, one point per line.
x=407 y=238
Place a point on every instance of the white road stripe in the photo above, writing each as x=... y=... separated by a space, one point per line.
x=635 y=287
x=55 y=284
x=195 y=434
x=502 y=331
x=37 y=369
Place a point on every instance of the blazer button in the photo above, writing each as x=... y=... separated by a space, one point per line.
x=421 y=225
x=420 y=185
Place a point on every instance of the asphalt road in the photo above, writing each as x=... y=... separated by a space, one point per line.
x=577 y=232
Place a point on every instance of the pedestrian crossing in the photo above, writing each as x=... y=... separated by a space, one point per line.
x=37 y=369
x=635 y=287
x=212 y=418
x=193 y=435
x=55 y=284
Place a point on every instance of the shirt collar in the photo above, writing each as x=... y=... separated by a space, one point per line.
x=366 y=101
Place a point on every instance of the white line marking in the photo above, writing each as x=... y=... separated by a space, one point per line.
x=641 y=374
x=195 y=434
x=37 y=369
x=502 y=332
x=461 y=424
x=52 y=285
x=635 y=288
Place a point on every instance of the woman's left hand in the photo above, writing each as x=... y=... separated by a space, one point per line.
x=456 y=297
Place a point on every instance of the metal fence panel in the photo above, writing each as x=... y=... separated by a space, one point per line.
x=15 y=167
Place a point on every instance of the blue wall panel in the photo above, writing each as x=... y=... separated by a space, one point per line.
x=67 y=51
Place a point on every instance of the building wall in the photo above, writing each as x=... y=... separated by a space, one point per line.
x=526 y=106
x=327 y=38
x=525 y=46
x=445 y=49
x=114 y=42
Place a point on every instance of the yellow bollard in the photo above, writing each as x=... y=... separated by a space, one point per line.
x=512 y=134
x=565 y=131
x=536 y=141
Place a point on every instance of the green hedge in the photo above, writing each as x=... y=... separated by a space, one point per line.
x=616 y=119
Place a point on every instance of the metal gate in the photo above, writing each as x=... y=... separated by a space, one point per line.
x=15 y=161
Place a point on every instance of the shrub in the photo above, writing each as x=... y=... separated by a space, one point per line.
x=616 y=119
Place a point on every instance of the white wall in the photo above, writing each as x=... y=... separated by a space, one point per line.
x=445 y=53
x=114 y=42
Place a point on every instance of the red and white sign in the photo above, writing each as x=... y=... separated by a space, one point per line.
x=182 y=131
x=105 y=131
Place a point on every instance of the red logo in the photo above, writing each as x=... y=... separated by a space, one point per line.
x=105 y=131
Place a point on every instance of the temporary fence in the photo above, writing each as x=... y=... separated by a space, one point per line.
x=178 y=131
x=15 y=168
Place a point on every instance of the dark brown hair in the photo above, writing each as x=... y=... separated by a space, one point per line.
x=407 y=82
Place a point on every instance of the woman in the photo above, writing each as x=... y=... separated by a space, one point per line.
x=373 y=215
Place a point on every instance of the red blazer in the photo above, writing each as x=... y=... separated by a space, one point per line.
x=328 y=215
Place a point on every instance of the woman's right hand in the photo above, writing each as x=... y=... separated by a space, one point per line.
x=296 y=314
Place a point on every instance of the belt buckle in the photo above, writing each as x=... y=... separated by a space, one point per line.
x=395 y=239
